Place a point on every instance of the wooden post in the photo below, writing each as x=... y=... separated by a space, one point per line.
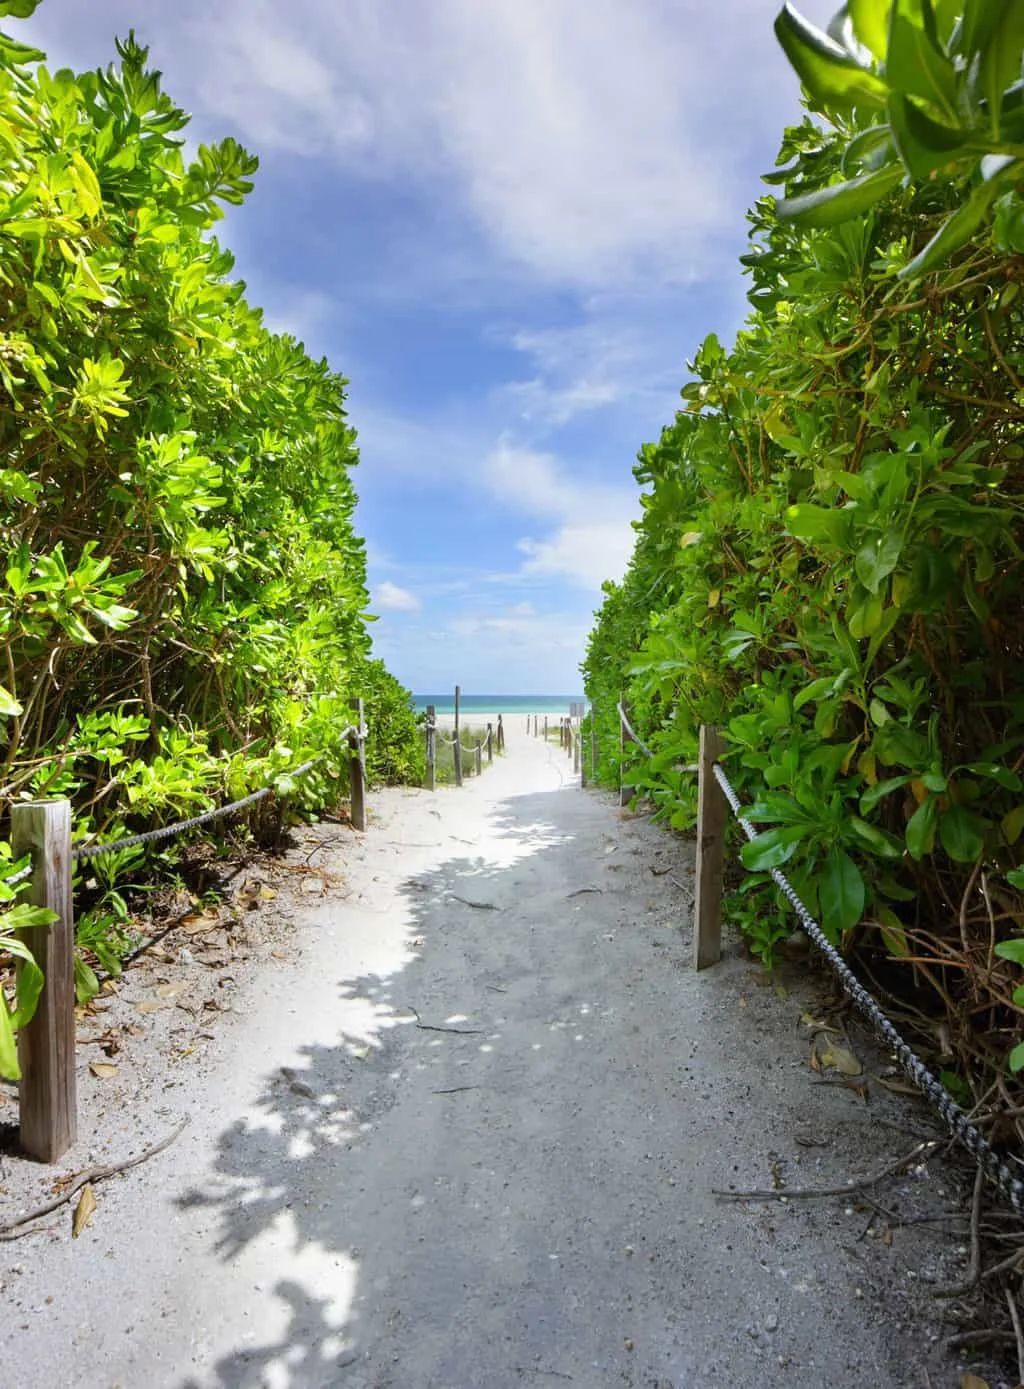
x=545 y=728
x=711 y=819
x=357 y=767
x=501 y=735
x=46 y=1045
x=431 y=780
x=478 y=753
x=457 y=745
x=575 y=750
x=490 y=743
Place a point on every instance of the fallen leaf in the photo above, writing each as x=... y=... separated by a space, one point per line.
x=169 y=990
x=267 y=894
x=152 y=1005
x=200 y=924
x=361 y=1053
x=838 y=1058
x=84 y=1211
x=109 y=986
x=279 y=954
x=104 y=1070
x=972 y=1382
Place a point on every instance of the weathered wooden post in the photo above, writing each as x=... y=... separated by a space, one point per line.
x=501 y=735
x=457 y=745
x=46 y=1045
x=357 y=766
x=575 y=750
x=545 y=728
x=567 y=739
x=711 y=818
x=431 y=780
x=478 y=753
x=490 y=743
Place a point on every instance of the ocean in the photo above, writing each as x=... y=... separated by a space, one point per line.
x=470 y=705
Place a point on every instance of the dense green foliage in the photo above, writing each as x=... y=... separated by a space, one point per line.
x=182 y=598
x=828 y=565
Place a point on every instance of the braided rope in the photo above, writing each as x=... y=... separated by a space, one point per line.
x=629 y=729
x=995 y=1168
x=88 y=851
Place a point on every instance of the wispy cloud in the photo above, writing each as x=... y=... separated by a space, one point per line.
x=593 y=536
x=390 y=598
x=588 y=140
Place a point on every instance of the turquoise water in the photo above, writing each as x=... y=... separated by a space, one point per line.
x=498 y=703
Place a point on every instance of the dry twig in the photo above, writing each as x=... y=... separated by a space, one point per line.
x=91 y=1174
x=815 y=1193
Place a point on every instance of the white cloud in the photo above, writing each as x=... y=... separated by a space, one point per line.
x=589 y=141
x=390 y=598
x=593 y=538
x=585 y=554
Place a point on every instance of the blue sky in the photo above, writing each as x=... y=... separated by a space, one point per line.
x=508 y=223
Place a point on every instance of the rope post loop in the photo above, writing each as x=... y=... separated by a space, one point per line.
x=431 y=776
x=46 y=1045
x=357 y=766
x=711 y=816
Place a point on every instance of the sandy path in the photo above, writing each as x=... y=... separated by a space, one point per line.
x=466 y=1139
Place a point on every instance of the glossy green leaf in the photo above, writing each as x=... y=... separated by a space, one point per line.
x=923 y=144
x=874 y=839
x=1012 y=950
x=9 y=1068
x=815 y=523
x=86 y=984
x=870 y=798
x=914 y=64
x=877 y=558
x=1015 y=1060
x=962 y=833
x=1001 y=59
x=920 y=832
x=841 y=892
x=772 y=848
x=827 y=207
x=834 y=80
x=871 y=24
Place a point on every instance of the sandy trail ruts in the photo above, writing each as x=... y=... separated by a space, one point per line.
x=460 y=1131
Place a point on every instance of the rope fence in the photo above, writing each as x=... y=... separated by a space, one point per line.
x=493 y=739
x=715 y=793
x=48 y=1119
